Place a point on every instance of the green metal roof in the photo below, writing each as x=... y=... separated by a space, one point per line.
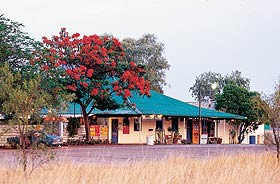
x=156 y=104
x=167 y=106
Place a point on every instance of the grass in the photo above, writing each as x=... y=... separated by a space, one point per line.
x=242 y=168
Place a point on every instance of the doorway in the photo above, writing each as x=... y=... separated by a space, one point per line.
x=159 y=125
x=175 y=124
x=115 y=130
x=189 y=129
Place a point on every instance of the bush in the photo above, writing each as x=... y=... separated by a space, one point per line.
x=73 y=126
x=186 y=141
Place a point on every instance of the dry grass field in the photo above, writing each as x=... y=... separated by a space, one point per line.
x=241 y=169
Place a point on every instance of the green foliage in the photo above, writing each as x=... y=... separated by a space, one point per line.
x=72 y=127
x=202 y=88
x=238 y=100
x=148 y=51
x=16 y=47
x=21 y=100
x=18 y=50
x=235 y=78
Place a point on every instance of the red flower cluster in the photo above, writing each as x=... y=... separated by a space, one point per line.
x=84 y=84
x=93 y=59
x=126 y=93
x=72 y=87
x=94 y=92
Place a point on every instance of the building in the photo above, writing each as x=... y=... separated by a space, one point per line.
x=159 y=118
x=228 y=132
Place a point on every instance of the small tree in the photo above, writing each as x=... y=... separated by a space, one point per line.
x=93 y=68
x=273 y=111
x=238 y=100
x=22 y=101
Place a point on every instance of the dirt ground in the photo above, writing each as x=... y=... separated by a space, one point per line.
x=131 y=153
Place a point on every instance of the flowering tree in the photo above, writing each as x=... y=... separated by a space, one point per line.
x=93 y=68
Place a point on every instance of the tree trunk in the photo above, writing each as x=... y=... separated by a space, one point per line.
x=276 y=139
x=278 y=152
x=24 y=153
x=241 y=134
x=85 y=118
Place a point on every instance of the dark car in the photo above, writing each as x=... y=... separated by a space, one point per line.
x=37 y=138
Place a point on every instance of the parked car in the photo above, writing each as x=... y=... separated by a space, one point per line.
x=37 y=138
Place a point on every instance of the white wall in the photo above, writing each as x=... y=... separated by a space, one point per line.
x=259 y=136
x=140 y=137
x=223 y=132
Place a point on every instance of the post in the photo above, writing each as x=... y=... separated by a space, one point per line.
x=139 y=119
x=199 y=114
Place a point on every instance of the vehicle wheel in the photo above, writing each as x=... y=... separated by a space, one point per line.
x=41 y=145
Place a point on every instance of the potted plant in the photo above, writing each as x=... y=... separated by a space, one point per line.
x=186 y=141
x=176 y=137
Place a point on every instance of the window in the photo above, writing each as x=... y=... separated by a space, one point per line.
x=159 y=125
x=125 y=126
x=137 y=124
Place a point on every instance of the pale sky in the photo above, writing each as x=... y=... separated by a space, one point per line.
x=199 y=35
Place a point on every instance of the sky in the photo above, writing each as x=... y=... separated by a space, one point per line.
x=199 y=35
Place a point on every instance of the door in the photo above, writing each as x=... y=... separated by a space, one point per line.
x=159 y=125
x=195 y=132
x=189 y=130
x=115 y=130
x=175 y=124
x=252 y=139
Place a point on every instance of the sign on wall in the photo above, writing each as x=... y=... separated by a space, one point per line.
x=98 y=131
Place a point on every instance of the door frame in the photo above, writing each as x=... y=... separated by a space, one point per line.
x=115 y=131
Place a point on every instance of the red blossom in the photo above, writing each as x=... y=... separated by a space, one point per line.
x=72 y=57
x=72 y=87
x=132 y=64
x=98 y=61
x=95 y=47
x=69 y=71
x=90 y=72
x=131 y=86
x=125 y=75
x=57 y=64
x=76 y=35
x=126 y=93
x=83 y=68
x=94 y=92
x=75 y=76
x=84 y=84
x=46 y=67
x=113 y=64
x=116 y=88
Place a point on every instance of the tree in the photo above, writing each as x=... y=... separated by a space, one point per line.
x=22 y=101
x=202 y=86
x=93 y=68
x=148 y=51
x=274 y=120
x=235 y=78
x=16 y=47
x=238 y=100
